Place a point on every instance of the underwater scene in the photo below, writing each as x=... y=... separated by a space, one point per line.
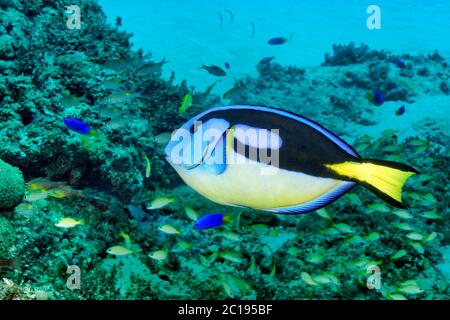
x=224 y=149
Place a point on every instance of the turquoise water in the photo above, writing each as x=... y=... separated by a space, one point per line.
x=187 y=32
x=94 y=203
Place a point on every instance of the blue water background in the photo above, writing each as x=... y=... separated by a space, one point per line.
x=188 y=33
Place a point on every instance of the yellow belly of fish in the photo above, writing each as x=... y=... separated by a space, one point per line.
x=243 y=184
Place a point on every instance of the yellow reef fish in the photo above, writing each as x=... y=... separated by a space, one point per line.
x=231 y=256
x=125 y=237
x=429 y=200
x=25 y=209
x=113 y=84
x=414 y=236
x=316 y=258
x=182 y=246
x=363 y=262
x=343 y=227
x=159 y=203
x=418 y=142
x=123 y=97
x=119 y=251
x=399 y=254
x=36 y=195
x=69 y=223
x=293 y=251
x=187 y=102
x=148 y=167
x=379 y=207
x=354 y=199
x=167 y=228
x=159 y=255
x=330 y=231
x=372 y=236
x=432 y=215
x=396 y=296
x=403 y=226
x=417 y=246
x=191 y=214
x=308 y=279
x=234 y=285
x=402 y=214
x=43 y=184
x=327 y=278
x=409 y=287
x=57 y=194
x=324 y=214
x=430 y=237
x=354 y=239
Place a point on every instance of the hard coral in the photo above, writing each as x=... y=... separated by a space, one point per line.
x=349 y=54
x=12 y=187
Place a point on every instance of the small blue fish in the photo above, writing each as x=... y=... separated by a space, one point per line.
x=375 y=97
x=213 y=220
x=400 y=110
x=400 y=64
x=227 y=65
x=277 y=41
x=77 y=126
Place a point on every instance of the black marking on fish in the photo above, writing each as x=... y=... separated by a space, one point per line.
x=306 y=148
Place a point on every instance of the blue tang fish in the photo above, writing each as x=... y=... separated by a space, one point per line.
x=376 y=97
x=273 y=160
x=400 y=64
x=213 y=220
x=77 y=126
x=400 y=110
x=277 y=41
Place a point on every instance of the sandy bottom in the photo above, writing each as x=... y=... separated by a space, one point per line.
x=426 y=107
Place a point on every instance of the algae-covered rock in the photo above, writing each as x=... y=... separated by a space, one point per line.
x=12 y=186
x=7 y=236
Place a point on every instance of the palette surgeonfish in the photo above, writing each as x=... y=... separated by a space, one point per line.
x=273 y=160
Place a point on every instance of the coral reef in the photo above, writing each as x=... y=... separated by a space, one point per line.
x=351 y=54
x=48 y=73
x=8 y=239
x=57 y=73
x=12 y=186
x=11 y=291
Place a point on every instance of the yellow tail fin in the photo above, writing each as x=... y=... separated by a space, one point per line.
x=384 y=178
